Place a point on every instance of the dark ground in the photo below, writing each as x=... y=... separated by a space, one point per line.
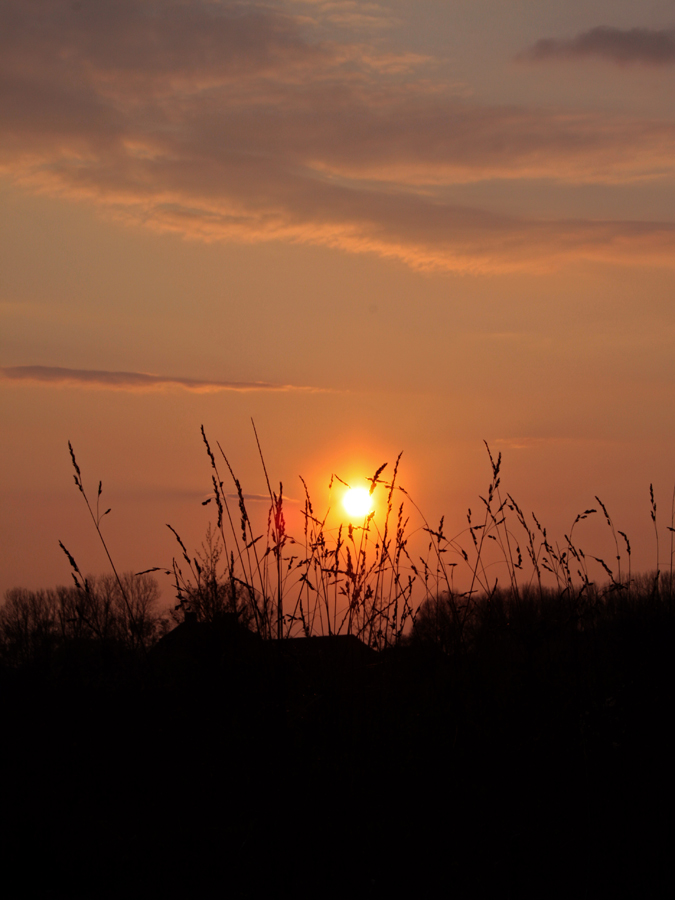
x=536 y=766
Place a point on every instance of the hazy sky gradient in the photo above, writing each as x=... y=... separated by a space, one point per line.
x=372 y=227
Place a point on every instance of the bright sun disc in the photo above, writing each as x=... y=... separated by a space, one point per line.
x=358 y=502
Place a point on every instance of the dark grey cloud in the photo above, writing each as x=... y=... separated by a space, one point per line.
x=153 y=41
x=652 y=47
x=131 y=381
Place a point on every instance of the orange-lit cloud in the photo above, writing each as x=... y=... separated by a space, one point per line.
x=229 y=120
x=652 y=47
x=350 y=13
x=130 y=381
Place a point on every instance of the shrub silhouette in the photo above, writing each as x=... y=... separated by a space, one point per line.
x=214 y=593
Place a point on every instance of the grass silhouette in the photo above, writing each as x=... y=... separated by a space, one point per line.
x=371 y=580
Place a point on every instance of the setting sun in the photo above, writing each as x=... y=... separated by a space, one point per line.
x=358 y=502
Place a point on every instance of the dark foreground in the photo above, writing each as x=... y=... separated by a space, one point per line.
x=530 y=766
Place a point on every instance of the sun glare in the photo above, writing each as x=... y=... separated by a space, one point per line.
x=358 y=502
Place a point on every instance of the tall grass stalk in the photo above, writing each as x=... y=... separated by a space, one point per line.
x=81 y=582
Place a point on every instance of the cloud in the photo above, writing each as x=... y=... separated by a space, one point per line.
x=162 y=42
x=350 y=13
x=131 y=381
x=651 y=47
x=427 y=234
x=225 y=120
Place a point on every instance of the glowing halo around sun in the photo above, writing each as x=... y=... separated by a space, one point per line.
x=357 y=502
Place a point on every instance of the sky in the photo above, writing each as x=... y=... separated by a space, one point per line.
x=369 y=227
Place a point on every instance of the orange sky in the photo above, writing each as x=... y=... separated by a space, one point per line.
x=372 y=227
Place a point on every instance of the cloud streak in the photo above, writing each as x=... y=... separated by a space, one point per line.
x=55 y=376
x=236 y=121
x=651 y=47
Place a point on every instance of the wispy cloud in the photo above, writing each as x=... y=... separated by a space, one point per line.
x=56 y=376
x=651 y=47
x=239 y=121
x=350 y=13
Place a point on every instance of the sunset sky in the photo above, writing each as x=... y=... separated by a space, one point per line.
x=371 y=227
